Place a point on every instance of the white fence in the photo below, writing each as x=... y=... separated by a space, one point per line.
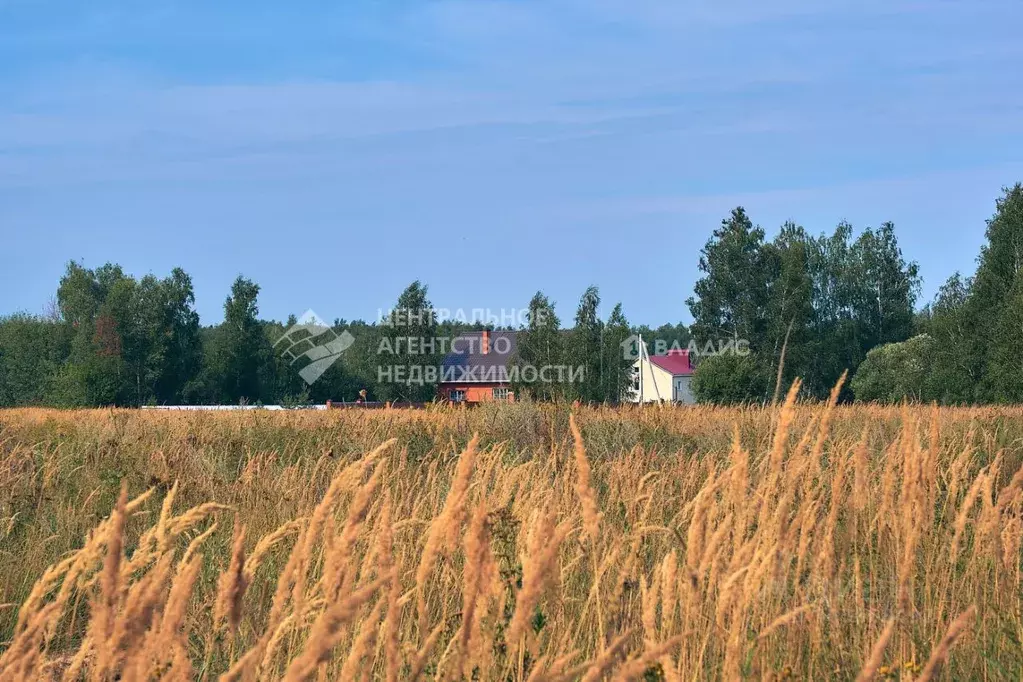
x=231 y=407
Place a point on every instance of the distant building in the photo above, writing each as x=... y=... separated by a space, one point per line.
x=476 y=369
x=663 y=378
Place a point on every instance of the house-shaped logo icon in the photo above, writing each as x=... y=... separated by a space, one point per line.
x=631 y=347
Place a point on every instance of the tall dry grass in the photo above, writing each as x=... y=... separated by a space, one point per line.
x=512 y=543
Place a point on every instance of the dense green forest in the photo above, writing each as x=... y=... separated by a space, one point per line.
x=113 y=339
x=805 y=305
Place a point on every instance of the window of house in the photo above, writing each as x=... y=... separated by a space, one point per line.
x=500 y=394
x=457 y=395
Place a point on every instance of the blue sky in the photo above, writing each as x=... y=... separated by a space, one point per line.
x=335 y=152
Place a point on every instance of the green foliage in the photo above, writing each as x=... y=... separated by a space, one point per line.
x=974 y=327
x=790 y=306
x=586 y=347
x=813 y=306
x=123 y=341
x=357 y=369
x=994 y=305
x=731 y=378
x=956 y=358
x=654 y=673
x=541 y=344
x=591 y=344
x=825 y=300
x=730 y=300
x=896 y=371
x=411 y=326
x=237 y=350
x=977 y=322
x=617 y=369
x=666 y=336
x=32 y=351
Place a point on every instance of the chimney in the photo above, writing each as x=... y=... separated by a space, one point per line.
x=485 y=343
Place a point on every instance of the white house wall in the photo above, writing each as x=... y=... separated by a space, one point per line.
x=658 y=384
x=684 y=390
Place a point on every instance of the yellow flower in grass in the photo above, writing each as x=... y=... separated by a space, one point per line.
x=912 y=666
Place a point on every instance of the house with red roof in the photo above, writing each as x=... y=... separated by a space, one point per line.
x=476 y=369
x=663 y=378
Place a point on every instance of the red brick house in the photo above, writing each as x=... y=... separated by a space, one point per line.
x=476 y=369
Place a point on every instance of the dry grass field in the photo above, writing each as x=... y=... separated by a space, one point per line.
x=503 y=543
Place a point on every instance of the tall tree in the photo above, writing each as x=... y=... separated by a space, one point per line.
x=957 y=360
x=835 y=346
x=586 y=347
x=239 y=348
x=749 y=294
x=412 y=336
x=182 y=355
x=826 y=301
x=887 y=288
x=993 y=305
x=864 y=295
x=617 y=368
x=789 y=328
x=141 y=312
x=32 y=351
x=730 y=299
x=89 y=303
x=540 y=345
x=360 y=363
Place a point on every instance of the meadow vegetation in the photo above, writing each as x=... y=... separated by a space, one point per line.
x=512 y=542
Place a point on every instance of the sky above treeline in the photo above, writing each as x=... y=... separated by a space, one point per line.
x=334 y=152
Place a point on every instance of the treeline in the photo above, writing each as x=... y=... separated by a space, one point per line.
x=968 y=342
x=808 y=306
x=112 y=339
x=816 y=306
x=804 y=305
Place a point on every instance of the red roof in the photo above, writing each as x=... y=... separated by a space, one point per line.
x=676 y=362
